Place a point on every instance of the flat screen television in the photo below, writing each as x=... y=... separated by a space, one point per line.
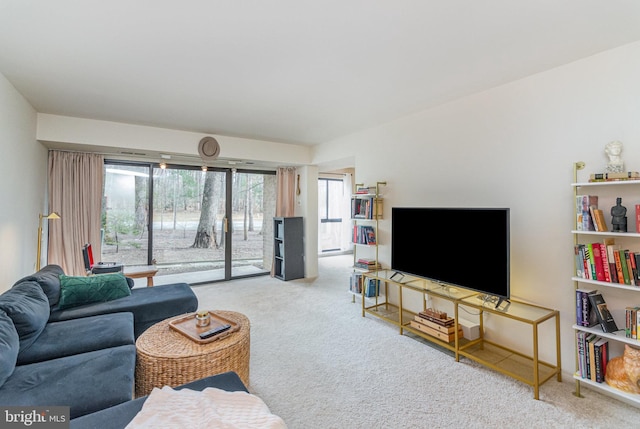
x=467 y=247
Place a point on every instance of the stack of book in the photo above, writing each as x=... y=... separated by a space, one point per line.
x=593 y=355
x=366 y=190
x=433 y=323
x=611 y=177
x=367 y=264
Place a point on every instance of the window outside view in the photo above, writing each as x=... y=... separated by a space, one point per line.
x=190 y=231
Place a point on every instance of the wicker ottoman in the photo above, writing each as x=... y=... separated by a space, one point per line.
x=168 y=358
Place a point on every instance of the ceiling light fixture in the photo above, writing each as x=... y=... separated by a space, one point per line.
x=204 y=168
x=163 y=165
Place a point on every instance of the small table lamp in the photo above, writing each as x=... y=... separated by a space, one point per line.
x=50 y=216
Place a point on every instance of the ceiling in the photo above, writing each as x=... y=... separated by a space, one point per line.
x=293 y=71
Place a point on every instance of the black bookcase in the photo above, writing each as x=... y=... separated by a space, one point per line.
x=288 y=248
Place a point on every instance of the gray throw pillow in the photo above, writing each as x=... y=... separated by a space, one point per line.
x=9 y=347
x=28 y=307
x=49 y=280
x=76 y=290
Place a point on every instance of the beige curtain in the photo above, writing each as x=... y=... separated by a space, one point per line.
x=75 y=193
x=286 y=191
x=285 y=197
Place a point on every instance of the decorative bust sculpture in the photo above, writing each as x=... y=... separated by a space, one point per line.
x=614 y=150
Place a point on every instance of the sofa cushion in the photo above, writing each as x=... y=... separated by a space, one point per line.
x=49 y=281
x=76 y=291
x=86 y=382
x=28 y=307
x=9 y=346
x=71 y=337
x=149 y=305
x=121 y=415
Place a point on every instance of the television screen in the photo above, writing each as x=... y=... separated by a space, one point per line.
x=467 y=247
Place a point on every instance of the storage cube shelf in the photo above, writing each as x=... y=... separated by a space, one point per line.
x=288 y=245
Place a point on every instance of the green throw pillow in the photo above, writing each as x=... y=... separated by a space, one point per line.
x=76 y=291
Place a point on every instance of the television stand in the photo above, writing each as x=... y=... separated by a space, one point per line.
x=522 y=365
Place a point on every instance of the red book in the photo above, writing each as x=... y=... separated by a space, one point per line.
x=633 y=272
x=597 y=259
x=605 y=262
x=610 y=244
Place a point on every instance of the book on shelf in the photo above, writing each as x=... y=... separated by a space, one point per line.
x=598 y=219
x=605 y=318
x=584 y=205
x=579 y=263
x=589 y=261
x=363 y=234
x=631 y=265
x=592 y=359
x=585 y=316
x=366 y=208
x=622 y=175
x=610 y=244
x=359 y=282
x=618 y=262
x=580 y=344
x=599 y=359
x=632 y=321
x=624 y=266
x=589 y=340
x=637 y=207
x=605 y=262
x=597 y=261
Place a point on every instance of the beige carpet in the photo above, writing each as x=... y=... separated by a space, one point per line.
x=318 y=363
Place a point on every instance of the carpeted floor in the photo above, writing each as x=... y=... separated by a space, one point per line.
x=318 y=363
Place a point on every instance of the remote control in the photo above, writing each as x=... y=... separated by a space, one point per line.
x=211 y=332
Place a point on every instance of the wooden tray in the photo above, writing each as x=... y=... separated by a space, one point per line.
x=186 y=325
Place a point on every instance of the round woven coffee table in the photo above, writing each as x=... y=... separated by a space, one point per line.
x=166 y=357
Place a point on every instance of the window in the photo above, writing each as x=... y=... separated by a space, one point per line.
x=330 y=202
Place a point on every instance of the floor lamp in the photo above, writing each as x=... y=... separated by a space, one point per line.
x=50 y=216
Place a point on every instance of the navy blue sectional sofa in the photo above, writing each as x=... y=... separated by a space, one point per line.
x=82 y=356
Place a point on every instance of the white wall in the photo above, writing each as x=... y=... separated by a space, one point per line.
x=307 y=207
x=23 y=185
x=96 y=135
x=512 y=146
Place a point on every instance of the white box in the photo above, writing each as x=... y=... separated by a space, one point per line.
x=470 y=330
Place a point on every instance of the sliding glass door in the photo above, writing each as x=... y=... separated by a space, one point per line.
x=252 y=210
x=196 y=226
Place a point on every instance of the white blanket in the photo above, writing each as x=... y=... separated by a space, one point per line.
x=210 y=408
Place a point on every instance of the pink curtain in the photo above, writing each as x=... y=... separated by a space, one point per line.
x=286 y=191
x=75 y=193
